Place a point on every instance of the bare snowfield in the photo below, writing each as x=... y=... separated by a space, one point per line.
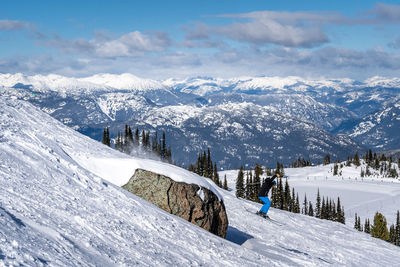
x=60 y=206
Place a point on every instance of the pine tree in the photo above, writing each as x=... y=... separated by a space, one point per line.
x=239 y=184
x=327 y=159
x=287 y=197
x=258 y=171
x=310 y=210
x=339 y=212
x=247 y=188
x=398 y=229
x=280 y=193
x=323 y=209
x=216 y=175
x=130 y=136
x=209 y=163
x=356 y=222
x=318 y=206
x=104 y=139
x=370 y=158
x=143 y=138
x=367 y=228
x=225 y=183
x=335 y=169
x=357 y=160
x=379 y=228
x=305 y=204
x=297 y=203
x=293 y=202
x=392 y=234
x=137 y=137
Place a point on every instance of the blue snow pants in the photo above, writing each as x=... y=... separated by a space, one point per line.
x=267 y=204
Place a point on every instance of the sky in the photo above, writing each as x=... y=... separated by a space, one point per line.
x=163 y=39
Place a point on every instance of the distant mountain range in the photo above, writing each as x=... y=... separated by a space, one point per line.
x=243 y=120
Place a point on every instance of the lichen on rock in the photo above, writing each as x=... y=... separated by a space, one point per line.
x=181 y=199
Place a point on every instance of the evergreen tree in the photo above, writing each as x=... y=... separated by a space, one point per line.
x=339 y=212
x=216 y=175
x=323 y=209
x=130 y=136
x=310 y=210
x=297 y=203
x=360 y=228
x=392 y=234
x=367 y=228
x=143 y=138
x=318 y=206
x=305 y=204
x=104 y=139
x=370 y=158
x=240 y=184
x=330 y=208
x=280 y=193
x=327 y=159
x=335 y=169
x=293 y=202
x=209 y=163
x=357 y=160
x=356 y=222
x=137 y=137
x=397 y=242
x=379 y=228
x=225 y=183
x=287 y=197
x=258 y=171
x=247 y=188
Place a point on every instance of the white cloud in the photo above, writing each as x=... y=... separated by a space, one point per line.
x=12 y=25
x=128 y=45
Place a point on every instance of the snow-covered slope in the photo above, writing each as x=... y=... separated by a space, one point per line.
x=58 y=208
x=54 y=211
x=361 y=195
x=53 y=82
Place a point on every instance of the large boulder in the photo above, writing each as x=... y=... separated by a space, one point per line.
x=191 y=202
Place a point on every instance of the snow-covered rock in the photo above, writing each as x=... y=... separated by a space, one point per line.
x=191 y=202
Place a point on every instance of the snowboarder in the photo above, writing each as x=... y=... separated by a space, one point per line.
x=263 y=195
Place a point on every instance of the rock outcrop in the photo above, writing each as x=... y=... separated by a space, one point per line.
x=191 y=202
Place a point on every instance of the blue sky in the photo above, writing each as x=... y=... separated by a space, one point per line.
x=161 y=39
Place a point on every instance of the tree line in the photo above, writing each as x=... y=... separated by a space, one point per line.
x=205 y=167
x=379 y=229
x=284 y=197
x=127 y=142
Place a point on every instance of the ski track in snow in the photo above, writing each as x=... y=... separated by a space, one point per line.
x=60 y=205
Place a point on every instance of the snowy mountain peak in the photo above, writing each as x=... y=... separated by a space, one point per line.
x=123 y=81
x=54 y=82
